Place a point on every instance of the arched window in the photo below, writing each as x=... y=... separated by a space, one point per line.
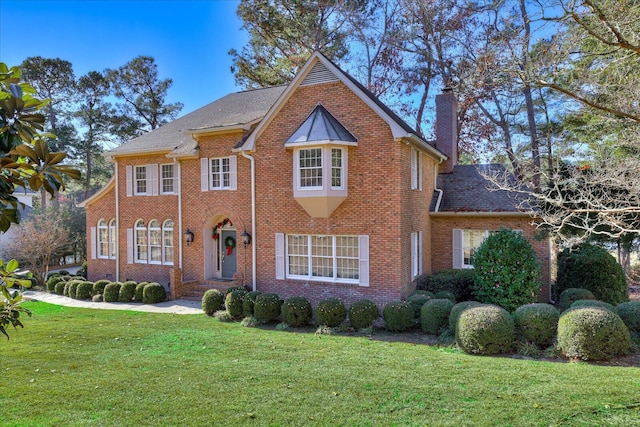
x=155 y=242
x=113 y=248
x=140 y=241
x=103 y=239
x=167 y=242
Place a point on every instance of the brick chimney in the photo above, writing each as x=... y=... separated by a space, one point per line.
x=447 y=128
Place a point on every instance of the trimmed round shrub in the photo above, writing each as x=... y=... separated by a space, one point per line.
x=127 y=291
x=459 y=282
x=59 y=288
x=71 y=289
x=421 y=292
x=111 y=292
x=398 y=316
x=63 y=272
x=97 y=298
x=139 y=291
x=82 y=271
x=212 y=301
x=446 y=295
x=571 y=295
x=417 y=301
x=363 y=313
x=457 y=310
x=233 y=302
x=330 y=312
x=84 y=290
x=593 y=268
x=248 y=301
x=434 y=315
x=592 y=333
x=153 y=293
x=485 y=329
x=507 y=272
x=98 y=286
x=593 y=303
x=297 y=311
x=629 y=312
x=536 y=323
x=234 y=288
x=53 y=280
x=267 y=307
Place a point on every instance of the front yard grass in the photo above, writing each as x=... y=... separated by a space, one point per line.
x=80 y=367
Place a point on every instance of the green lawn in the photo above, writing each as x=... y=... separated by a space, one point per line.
x=78 y=367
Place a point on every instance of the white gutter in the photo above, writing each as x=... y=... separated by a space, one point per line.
x=435 y=187
x=253 y=218
x=117 y=225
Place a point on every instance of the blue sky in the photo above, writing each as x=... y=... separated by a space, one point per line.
x=190 y=39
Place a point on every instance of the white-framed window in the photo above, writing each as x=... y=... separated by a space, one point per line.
x=323 y=258
x=167 y=179
x=317 y=165
x=140 y=236
x=167 y=242
x=310 y=168
x=465 y=244
x=219 y=173
x=113 y=246
x=337 y=168
x=416 y=169
x=155 y=242
x=416 y=254
x=103 y=239
x=140 y=180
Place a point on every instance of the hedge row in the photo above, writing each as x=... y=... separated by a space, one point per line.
x=78 y=287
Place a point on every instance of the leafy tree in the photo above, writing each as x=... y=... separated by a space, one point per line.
x=144 y=107
x=282 y=36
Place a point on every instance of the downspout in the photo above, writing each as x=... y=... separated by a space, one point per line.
x=435 y=188
x=117 y=224
x=179 y=169
x=253 y=217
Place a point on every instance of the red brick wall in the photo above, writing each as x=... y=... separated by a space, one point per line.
x=442 y=241
x=104 y=208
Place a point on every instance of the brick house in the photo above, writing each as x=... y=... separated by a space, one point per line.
x=315 y=188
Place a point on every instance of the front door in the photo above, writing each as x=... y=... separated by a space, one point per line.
x=227 y=250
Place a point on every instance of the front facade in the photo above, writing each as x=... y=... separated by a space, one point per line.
x=313 y=189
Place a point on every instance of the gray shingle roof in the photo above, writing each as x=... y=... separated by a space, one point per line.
x=467 y=190
x=234 y=109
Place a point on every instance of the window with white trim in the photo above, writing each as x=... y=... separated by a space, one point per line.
x=465 y=244
x=310 y=167
x=113 y=247
x=317 y=164
x=416 y=169
x=323 y=258
x=103 y=239
x=416 y=254
x=155 y=242
x=337 y=168
x=140 y=236
x=167 y=179
x=167 y=242
x=140 y=180
x=219 y=173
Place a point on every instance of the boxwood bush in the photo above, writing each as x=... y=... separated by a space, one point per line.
x=363 y=313
x=536 y=323
x=434 y=315
x=127 y=291
x=593 y=268
x=212 y=301
x=73 y=286
x=593 y=303
x=248 y=301
x=139 y=291
x=233 y=302
x=459 y=282
x=98 y=286
x=234 y=288
x=507 y=272
x=571 y=295
x=297 y=311
x=629 y=312
x=111 y=292
x=84 y=290
x=53 y=280
x=398 y=316
x=59 y=288
x=267 y=307
x=153 y=293
x=417 y=301
x=446 y=295
x=330 y=312
x=592 y=333
x=485 y=329
x=457 y=310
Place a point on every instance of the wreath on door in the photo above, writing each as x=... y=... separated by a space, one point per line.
x=229 y=243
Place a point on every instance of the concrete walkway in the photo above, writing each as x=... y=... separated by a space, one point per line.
x=172 y=307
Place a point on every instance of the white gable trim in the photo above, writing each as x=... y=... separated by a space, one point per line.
x=397 y=130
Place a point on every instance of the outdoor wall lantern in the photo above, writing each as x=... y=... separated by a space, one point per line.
x=188 y=237
x=246 y=238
